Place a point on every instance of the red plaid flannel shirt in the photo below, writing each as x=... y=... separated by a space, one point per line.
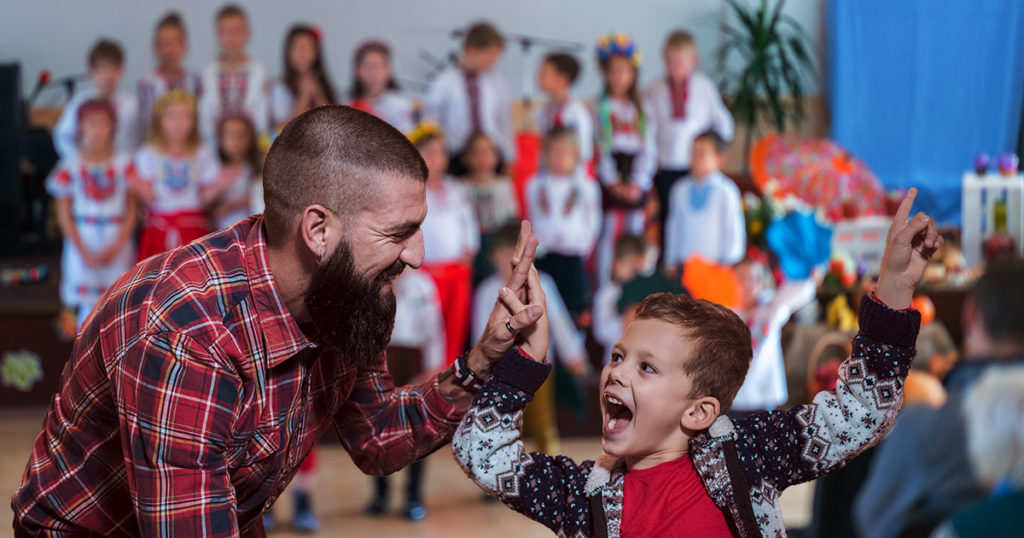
x=192 y=398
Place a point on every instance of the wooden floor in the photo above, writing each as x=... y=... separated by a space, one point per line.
x=453 y=502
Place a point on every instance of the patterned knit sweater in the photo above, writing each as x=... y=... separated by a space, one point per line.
x=744 y=465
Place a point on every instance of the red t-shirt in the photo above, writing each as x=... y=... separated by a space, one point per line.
x=670 y=500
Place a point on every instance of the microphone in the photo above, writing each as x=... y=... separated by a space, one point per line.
x=41 y=82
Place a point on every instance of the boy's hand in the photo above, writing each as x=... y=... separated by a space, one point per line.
x=534 y=338
x=908 y=247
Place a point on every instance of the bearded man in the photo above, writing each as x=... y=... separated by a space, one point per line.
x=205 y=375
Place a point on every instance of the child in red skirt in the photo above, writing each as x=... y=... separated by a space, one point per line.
x=451 y=237
x=173 y=169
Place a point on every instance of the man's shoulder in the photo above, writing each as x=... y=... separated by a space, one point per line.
x=186 y=290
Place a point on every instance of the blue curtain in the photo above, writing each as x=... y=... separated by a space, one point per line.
x=918 y=87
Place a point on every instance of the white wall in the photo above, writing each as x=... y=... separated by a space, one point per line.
x=56 y=34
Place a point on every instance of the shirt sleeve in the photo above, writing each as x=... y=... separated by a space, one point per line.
x=734 y=227
x=281 y=104
x=564 y=337
x=385 y=428
x=469 y=223
x=584 y=132
x=593 y=216
x=65 y=132
x=504 y=120
x=433 y=328
x=721 y=118
x=812 y=440
x=434 y=101
x=59 y=184
x=207 y=166
x=488 y=447
x=175 y=409
x=674 y=232
x=646 y=163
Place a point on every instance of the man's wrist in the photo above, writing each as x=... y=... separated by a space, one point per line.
x=479 y=364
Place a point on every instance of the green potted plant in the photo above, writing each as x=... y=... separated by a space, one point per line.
x=768 y=80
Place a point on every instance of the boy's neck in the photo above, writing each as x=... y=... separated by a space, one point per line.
x=233 y=61
x=560 y=96
x=561 y=175
x=176 y=149
x=704 y=177
x=435 y=181
x=679 y=81
x=170 y=70
x=486 y=176
x=656 y=458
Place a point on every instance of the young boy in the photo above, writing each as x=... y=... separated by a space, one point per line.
x=106 y=66
x=565 y=210
x=683 y=104
x=558 y=72
x=471 y=97
x=674 y=464
x=233 y=83
x=630 y=256
x=540 y=416
x=705 y=215
x=170 y=44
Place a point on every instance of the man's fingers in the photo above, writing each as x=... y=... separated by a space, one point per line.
x=510 y=300
x=522 y=269
x=525 y=233
x=903 y=213
x=536 y=293
x=525 y=318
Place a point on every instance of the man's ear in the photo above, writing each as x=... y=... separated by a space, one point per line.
x=315 y=227
x=701 y=414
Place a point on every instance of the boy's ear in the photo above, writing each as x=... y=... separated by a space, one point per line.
x=701 y=414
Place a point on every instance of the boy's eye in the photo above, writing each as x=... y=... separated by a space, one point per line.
x=616 y=357
x=648 y=368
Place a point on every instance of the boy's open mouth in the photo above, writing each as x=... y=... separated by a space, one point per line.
x=617 y=414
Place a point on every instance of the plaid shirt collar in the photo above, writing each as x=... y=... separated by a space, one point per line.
x=280 y=330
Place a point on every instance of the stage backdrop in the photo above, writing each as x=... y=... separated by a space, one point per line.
x=918 y=87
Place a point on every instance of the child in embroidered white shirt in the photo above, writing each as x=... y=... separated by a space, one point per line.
x=106 y=66
x=565 y=210
x=375 y=90
x=451 y=237
x=626 y=151
x=705 y=213
x=471 y=97
x=233 y=82
x=304 y=82
x=558 y=72
x=630 y=258
x=170 y=43
x=684 y=103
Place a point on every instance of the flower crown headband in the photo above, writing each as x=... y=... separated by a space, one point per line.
x=423 y=131
x=618 y=44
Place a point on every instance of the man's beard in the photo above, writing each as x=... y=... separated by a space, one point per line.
x=352 y=316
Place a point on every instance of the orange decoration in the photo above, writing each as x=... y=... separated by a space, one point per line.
x=924 y=305
x=716 y=283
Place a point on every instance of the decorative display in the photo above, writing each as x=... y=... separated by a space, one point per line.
x=1008 y=164
x=20 y=370
x=618 y=43
x=981 y=163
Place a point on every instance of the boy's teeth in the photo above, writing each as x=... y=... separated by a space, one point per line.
x=611 y=423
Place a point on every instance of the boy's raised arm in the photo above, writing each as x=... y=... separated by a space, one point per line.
x=811 y=440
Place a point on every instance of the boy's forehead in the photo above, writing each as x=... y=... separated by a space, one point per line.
x=657 y=338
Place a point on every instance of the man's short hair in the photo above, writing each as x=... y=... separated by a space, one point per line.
x=336 y=156
x=722 y=348
x=482 y=36
x=999 y=296
x=106 y=50
x=564 y=64
x=679 y=39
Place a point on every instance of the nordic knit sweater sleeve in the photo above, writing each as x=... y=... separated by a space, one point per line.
x=778 y=449
x=488 y=447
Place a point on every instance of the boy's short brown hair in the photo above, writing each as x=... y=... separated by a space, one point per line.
x=564 y=64
x=559 y=132
x=679 y=39
x=722 y=348
x=630 y=245
x=712 y=136
x=482 y=36
x=231 y=10
x=106 y=50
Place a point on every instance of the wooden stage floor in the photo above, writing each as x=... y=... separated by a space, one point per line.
x=453 y=502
